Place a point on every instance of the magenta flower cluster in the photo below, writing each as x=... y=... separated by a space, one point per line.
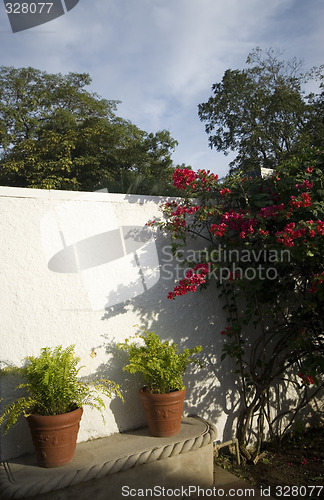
x=194 y=277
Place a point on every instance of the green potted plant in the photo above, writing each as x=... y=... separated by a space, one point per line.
x=162 y=367
x=54 y=402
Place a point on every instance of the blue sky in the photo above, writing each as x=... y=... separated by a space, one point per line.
x=161 y=57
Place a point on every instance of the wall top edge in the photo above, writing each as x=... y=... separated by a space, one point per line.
x=50 y=194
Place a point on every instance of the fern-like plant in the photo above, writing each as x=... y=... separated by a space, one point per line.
x=53 y=387
x=160 y=363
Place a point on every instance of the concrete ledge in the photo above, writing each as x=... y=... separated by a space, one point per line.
x=63 y=195
x=134 y=460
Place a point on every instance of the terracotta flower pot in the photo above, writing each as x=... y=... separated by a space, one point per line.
x=55 y=437
x=163 y=412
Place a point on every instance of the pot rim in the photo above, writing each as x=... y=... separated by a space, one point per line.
x=143 y=391
x=57 y=415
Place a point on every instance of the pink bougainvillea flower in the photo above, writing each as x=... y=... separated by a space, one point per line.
x=306 y=379
x=306 y=201
x=271 y=211
x=263 y=233
x=183 y=177
x=318 y=279
x=194 y=277
x=202 y=180
x=228 y=331
x=306 y=184
x=225 y=191
x=219 y=229
x=320 y=227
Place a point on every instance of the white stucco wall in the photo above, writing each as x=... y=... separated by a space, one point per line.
x=82 y=268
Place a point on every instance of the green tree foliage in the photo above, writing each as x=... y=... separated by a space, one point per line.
x=262 y=112
x=54 y=134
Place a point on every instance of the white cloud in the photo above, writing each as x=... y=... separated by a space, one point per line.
x=160 y=57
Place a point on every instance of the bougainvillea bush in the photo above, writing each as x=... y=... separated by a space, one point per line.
x=264 y=246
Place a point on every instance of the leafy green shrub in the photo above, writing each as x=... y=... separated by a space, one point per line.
x=262 y=243
x=53 y=386
x=160 y=363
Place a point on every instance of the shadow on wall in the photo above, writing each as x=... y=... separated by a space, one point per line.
x=189 y=320
x=212 y=392
x=100 y=250
x=125 y=270
x=18 y=437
